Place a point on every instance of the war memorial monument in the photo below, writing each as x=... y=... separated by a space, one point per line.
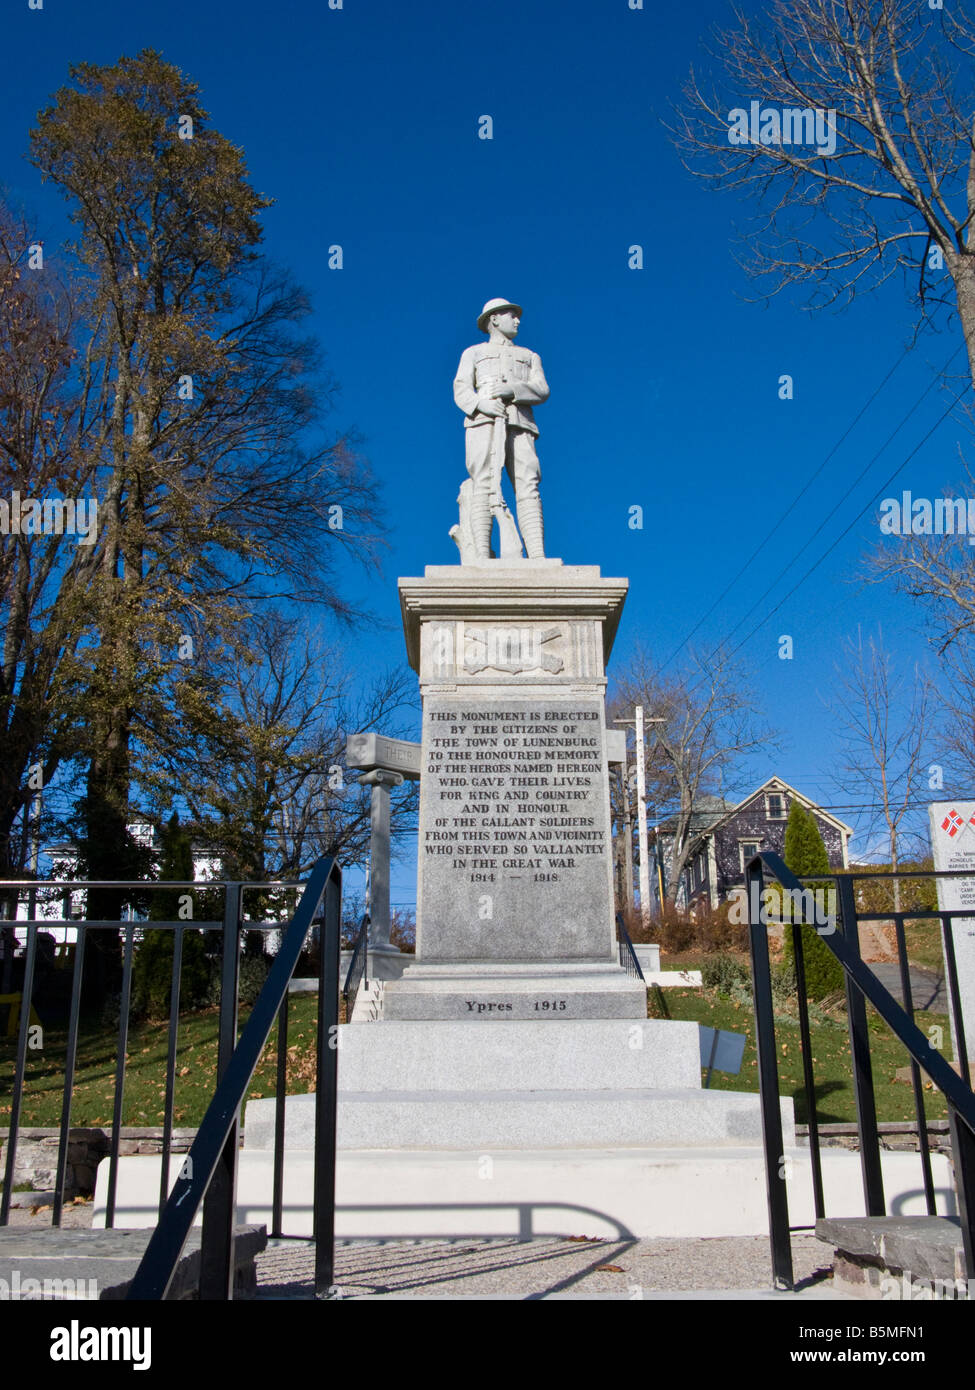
x=508 y=1081
x=515 y=892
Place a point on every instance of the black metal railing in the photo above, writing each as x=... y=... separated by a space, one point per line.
x=628 y=957
x=839 y=931
x=357 y=968
x=210 y=1170
x=38 y=897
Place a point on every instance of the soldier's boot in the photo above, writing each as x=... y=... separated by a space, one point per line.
x=482 y=519
x=530 y=525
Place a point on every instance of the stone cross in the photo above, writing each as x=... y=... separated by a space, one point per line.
x=381 y=780
x=389 y=762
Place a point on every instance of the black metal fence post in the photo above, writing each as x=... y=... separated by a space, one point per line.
x=326 y=1096
x=768 y=1084
x=173 y=1033
x=963 y=1154
x=917 y=1085
x=69 y=1067
x=117 y=1105
x=217 y=1236
x=809 y=1082
x=280 y=1115
x=863 y=1093
x=10 y=1157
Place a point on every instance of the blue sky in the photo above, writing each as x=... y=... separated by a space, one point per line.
x=361 y=123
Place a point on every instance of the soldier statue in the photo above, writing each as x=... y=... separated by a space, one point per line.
x=496 y=386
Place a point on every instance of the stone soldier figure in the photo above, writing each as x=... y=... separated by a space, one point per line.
x=496 y=386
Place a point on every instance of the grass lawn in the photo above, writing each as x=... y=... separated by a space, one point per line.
x=145 y=1072
x=830 y=1041
x=924 y=945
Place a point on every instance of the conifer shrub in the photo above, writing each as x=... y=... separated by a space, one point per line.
x=805 y=855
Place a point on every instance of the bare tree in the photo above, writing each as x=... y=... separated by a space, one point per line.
x=218 y=485
x=710 y=729
x=884 y=732
x=956 y=699
x=885 y=178
x=256 y=751
x=45 y=450
x=936 y=569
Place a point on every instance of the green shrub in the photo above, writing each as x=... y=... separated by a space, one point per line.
x=727 y=975
x=253 y=972
x=152 y=973
x=805 y=855
x=783 y=985
x=824 y=974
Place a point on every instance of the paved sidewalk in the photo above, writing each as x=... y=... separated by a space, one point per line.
x=928 y=989
x=550 y=1268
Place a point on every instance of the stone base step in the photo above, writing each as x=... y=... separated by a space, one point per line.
x=522 y=1119
x=503 y=993
x=519 y=1055
x=368 y=1003
x=607 y=1193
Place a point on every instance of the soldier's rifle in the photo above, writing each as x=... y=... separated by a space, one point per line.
x=499 y=438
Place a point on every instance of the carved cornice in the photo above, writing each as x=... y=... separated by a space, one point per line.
x=454 y=593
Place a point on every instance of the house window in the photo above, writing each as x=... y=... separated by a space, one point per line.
x=775 y=806
x=749 y=848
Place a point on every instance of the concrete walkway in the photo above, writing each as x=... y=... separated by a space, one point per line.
x=927 y=987
x=736 y=1268
x=554 y=1268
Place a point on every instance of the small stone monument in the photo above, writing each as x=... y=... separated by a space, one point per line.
x=386 y=763
x=515 y=880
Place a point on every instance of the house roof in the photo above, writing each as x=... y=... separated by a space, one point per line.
x=711 y=811
x=776 y=784
x=706 y=812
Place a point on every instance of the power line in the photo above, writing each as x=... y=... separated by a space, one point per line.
x=791 y=507
x=870 y=501
x=859 y=478
x=845 y=532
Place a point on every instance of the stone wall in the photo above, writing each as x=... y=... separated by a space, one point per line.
x=37 y=1154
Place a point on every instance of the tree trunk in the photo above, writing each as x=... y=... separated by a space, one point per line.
x=962 y=269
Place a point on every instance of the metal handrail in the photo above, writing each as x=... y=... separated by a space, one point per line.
x=217 y=1138
x=357 y=967
x=628 y=957
x=38 y=895
x=862 y=985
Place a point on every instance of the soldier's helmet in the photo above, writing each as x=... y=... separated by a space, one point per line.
x=495 y=306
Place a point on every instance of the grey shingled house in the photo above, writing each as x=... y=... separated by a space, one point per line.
x=724 y=835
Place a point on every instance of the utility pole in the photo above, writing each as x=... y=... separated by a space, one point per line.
x=627 y=839
x=641 y=806
x=641 y=812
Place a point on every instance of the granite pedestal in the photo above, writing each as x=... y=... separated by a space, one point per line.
x=515 y=891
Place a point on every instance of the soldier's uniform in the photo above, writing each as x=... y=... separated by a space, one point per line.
x=481 y=367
